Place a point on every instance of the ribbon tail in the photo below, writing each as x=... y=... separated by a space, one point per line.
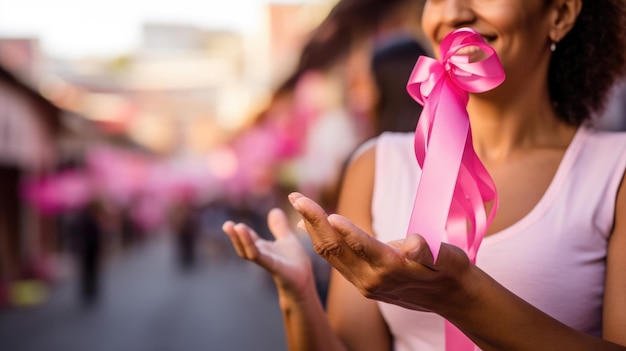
x=456 y=340
x=422 y=133
x=441 y=166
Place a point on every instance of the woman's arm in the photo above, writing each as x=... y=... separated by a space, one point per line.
x=356 y=319
x=496 y=319
x=306 y=326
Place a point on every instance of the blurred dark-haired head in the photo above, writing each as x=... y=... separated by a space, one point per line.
x=392 y=64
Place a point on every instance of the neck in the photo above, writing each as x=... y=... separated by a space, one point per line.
x=525 y=122
x=517 y=116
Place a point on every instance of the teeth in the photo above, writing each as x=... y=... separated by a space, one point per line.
x=468 y=50
x=471 y=54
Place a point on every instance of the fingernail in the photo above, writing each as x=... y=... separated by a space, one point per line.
x=292 y=197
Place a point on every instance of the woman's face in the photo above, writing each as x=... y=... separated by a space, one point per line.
x=517 y=29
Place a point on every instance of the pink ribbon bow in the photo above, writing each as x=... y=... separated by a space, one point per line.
x=454 y=186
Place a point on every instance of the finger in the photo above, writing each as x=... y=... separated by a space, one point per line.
x=252 y=246
x=243 y=239
x=360 y=242
x=229 y=228
x=450 y=255
x=305 y=206
x=248 y=238
x=326 y=241
x=278 y=223
x=248 y=244
x=293 y=196
x=396 y=244
x=314 y=218
x=416 y=249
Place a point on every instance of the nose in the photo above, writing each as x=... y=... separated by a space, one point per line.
x=457 y=13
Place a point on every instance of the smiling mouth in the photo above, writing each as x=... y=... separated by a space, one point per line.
x=474 y=53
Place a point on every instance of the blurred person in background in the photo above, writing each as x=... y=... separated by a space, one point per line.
x=185 y=226
x=392 y=63
x=89 y=237
x=335 y=91
x=349 y=38
x=210 y=218
x=549 y=274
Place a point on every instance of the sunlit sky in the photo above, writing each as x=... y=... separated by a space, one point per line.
x=74 y=28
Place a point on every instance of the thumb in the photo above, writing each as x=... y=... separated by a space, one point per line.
x=278 y=223
x=415 y=248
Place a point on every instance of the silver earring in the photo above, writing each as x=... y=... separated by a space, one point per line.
x=553 y=46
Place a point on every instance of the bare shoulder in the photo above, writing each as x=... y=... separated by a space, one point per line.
x=363 y=158
x=364 y=154
x=614 y=318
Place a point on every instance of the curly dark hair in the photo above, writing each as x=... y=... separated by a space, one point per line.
x=589 y=60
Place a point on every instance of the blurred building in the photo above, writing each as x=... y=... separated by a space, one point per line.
x=181 y=89
x=187 y=90
x=30 y=127
x=289 y=27
x=39 y=138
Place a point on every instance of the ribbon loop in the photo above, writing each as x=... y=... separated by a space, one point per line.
x=473 y=77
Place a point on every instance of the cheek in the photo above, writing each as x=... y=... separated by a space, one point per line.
x=429 y=25
x=507 y=25
x=514 y=19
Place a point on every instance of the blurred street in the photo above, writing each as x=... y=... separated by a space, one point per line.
x=149 y=304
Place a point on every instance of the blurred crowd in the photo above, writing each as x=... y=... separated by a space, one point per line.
x=73 y=195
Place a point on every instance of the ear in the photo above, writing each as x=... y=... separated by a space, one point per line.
x=565 y=13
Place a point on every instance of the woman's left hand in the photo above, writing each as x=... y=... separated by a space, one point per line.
x=400 y=272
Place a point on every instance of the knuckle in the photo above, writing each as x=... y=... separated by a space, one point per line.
x=327 y=249
x=359 y=249
x=315 y=220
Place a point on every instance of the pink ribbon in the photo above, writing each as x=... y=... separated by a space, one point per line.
x=455 y=186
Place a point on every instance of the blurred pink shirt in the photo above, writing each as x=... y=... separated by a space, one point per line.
x=554 y=257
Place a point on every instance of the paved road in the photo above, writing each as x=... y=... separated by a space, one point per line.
x=149 y=305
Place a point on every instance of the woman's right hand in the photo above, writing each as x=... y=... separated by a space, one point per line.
x=285 y=258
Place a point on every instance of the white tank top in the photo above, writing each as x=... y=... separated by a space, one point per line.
x=554 y=257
